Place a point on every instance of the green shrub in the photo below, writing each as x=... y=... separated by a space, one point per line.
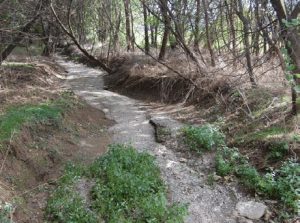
x=287 y=185
x=282 y=184
x=227 y=159
x=278 y=150
x=206 y=137
x=15 y=117
x=128 y=188
x=248 y=176
x=66 y=204
x=5 y=213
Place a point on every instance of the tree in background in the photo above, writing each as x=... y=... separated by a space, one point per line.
x=289 y=31
x=237 y=32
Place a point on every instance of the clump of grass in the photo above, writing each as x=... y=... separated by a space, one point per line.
x=282 y=184
x=128 y=188
x=66 y=204
x=15 y=117
x=227 y=159
x=296 y=137
x=5 y=213
x=286 y=183
x=203 y=138
x=278 y=150
x=46 y=113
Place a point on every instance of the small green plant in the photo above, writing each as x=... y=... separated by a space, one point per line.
x=15 y=117
x=66 y=204
x=286 y=182
x=5 y=213
x=296 y=138
x=211 y=180
x=204 y=138
x=227 y=159
x=278 y=150
x=282 y=184
x=128 y=188
x=248 y=176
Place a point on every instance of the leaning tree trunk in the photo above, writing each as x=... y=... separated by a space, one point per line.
x=5 y=53
x=71 y=35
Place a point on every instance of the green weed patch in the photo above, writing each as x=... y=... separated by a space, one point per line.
x=15 y=117
x=282 y=184
x=46 y=113
x=203 y=138
x=127 y=188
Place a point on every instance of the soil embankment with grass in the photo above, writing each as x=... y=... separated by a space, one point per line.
x=42 y=128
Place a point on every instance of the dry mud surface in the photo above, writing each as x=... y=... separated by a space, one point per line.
x=206 y=204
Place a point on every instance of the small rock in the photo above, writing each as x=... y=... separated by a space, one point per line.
x=251 y=209
x=217 y=178
x=183 y=160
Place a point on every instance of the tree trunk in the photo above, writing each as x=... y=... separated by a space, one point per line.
x=257 y=33
x=48 y=44
x=5 y=53
x=232 y=32
x=246 y=31
x=128 y=25
x=167 y=24
x=197 y=26
x=292 y=43
x=146 y=29
x=71 y=35
x=208 y=37
x=131 y=28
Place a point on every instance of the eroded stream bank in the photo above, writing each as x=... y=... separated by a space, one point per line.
x=206 y=203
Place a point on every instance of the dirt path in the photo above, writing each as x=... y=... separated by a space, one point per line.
x=206 y=204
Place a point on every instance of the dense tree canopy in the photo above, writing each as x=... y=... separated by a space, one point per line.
x=247 y=32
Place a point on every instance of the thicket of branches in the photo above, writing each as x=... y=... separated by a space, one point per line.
x=247 y=32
